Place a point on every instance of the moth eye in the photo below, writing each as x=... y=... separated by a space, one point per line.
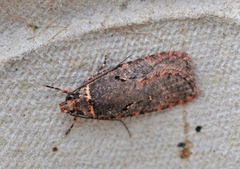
x=69 y=98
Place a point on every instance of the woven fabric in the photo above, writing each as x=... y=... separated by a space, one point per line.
x=32 y=125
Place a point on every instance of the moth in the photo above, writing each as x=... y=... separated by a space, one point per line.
x=148 y=84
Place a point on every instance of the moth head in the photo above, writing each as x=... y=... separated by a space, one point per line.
x=68 y=106
x=71 y=106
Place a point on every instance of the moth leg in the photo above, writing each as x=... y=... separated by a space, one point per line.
x=56 y=88
x=75 y=120
x=113 y=120
x=104 y=63
x=125 y=127
x=121 y=122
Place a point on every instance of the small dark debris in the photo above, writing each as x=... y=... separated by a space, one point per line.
x=54 y=149
x=198 y=128
x=182 y=145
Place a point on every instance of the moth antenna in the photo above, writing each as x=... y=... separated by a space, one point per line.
x=67 y=91
x=104 y=63
x=110 y=70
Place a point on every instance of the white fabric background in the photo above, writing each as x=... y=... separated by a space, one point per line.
x=31 y=122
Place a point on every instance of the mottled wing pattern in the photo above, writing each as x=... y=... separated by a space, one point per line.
x=145 y=85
